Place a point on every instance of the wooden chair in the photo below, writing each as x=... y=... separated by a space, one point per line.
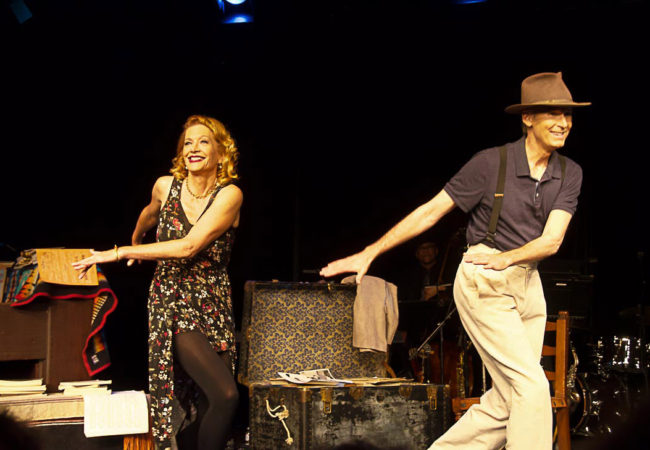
x=557 y=377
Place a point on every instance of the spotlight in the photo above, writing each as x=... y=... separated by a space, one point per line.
x=236 y=11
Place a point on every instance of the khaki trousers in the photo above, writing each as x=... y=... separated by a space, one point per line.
x=504 y=314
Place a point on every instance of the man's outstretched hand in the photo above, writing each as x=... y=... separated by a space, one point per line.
x=357 y=263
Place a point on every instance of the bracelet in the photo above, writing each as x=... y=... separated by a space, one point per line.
x=117 y=253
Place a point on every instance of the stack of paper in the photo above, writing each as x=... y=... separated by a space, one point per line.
x=124 y=412
x=50 y=408
x=88 y=387
x=22 y=388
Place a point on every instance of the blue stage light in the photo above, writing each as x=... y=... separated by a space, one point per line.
x=236 y=11
x=238 y=18
x=465 y=2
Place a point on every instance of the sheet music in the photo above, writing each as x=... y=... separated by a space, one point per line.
x=123 y=412
x=55 y=266
x=312 y=376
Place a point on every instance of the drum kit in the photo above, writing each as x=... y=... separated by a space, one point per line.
x=602 y=389
x=614 y=380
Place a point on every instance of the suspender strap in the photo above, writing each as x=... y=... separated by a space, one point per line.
x=498 y=197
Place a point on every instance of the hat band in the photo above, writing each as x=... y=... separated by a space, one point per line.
x=549 y=102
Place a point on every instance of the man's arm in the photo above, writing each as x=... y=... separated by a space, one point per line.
x=421 y=219
x=546 y=245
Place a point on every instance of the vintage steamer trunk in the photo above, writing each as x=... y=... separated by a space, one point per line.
x=408 y=415
x=289 y=327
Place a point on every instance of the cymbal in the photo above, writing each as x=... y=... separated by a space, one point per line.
x=633 y=311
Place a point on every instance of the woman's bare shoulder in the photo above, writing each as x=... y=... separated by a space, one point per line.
x=231 y=194
x=165 y=181
x=161 y=188
x=232 y=189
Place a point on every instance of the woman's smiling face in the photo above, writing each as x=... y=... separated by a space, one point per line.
x=201 y=151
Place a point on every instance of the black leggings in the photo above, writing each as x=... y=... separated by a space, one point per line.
x=211 y=372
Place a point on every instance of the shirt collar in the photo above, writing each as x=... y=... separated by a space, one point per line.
x=521 y=162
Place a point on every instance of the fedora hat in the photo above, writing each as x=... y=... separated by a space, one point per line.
x=544 y=90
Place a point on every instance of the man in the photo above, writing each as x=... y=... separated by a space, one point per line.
x=416 y=285
x=497 y=289
x=420 y=281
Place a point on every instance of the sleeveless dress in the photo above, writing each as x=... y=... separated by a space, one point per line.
x=185 y=295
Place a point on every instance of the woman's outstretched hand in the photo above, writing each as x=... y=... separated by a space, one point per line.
x=96 y=258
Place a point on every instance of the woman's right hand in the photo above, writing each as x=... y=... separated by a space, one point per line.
x=83 y=265
x=136 y=239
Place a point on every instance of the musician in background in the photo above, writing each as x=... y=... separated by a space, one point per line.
x=423 y=304
x=420 y=281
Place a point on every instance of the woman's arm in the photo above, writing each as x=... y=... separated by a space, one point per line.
x=221 y=214
x=219 y=217
x=150 y=214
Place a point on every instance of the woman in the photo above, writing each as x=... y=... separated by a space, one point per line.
x=190 y=311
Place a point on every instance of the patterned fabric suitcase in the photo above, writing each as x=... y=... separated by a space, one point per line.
x=290 y=327
x=404 y=415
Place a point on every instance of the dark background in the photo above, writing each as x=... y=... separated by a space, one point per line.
x=347 y=114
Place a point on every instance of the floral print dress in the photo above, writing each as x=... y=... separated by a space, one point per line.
x=185 y=295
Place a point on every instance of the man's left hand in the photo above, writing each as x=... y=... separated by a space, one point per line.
x=497 y=261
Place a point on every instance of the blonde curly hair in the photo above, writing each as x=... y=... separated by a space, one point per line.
x=227 y=171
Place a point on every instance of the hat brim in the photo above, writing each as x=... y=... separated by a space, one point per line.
x=519 y=108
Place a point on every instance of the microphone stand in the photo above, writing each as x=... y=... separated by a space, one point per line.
x=433 y=333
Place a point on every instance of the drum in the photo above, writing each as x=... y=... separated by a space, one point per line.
x=620 y=353
x=598 y=404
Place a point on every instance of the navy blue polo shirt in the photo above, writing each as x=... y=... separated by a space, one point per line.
x=526 y=202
